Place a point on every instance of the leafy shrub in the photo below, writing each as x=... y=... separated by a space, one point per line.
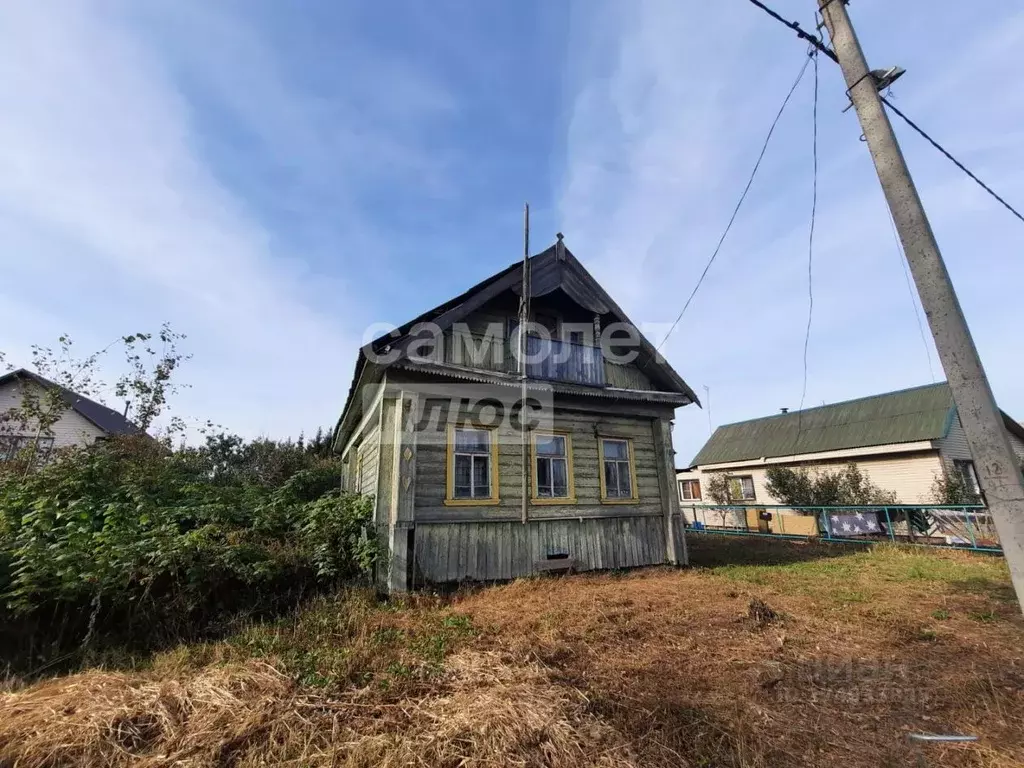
x=953 y=489
x=822 y=488
x=128 y=530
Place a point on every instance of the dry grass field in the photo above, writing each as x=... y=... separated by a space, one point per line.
x=764 y=655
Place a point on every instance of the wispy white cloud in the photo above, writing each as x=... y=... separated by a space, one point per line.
x=114 y=217
x=671 y=102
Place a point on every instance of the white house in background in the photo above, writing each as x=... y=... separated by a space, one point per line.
x=83 y=421
x=900 y=440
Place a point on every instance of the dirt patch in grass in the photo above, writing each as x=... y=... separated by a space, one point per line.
x=817 y=658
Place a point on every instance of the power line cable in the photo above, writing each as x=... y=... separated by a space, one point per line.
x=913 y=296
x=739 y=204
x=817 y=43
x=810 y=237
x=955 y=162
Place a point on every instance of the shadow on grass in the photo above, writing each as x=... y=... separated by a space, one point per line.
x=61 y=638
x=709 y=550
x=990 y=588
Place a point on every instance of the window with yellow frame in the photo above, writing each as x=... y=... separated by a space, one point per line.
x=472 y=466
x=551 y=456
x=618 y=471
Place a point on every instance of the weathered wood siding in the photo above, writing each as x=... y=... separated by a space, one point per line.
x=386 y=462
x=492 y=551
x=626 y=376
x=365 y=453
x=432 y=470
x=497 y=354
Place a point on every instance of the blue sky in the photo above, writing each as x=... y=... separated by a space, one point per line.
x=273 y=178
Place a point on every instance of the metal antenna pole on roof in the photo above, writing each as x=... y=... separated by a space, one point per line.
x=524 y=316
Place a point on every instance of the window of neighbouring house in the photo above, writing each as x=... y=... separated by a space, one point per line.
x=965 y=468
x=617 y=476
x=472 y=470
x=12 y=445
x=741 y=488
x=689 y=490
x=552 y=476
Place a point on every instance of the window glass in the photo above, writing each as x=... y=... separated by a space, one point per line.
x=611 y=477
x=690 y=489
x=550 y=445
x=552 y=466
x=618 y=477
x=742 y=487
x=471 y=440
x=560 y=478
x=472 y=464
x=12 y=445
x=616 y=449
x=965 y=468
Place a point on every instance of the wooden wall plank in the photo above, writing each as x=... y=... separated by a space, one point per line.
x=472 y=552
x=500 y=551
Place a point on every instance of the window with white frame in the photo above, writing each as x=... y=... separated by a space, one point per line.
x=551 y=460
x=965 y=468
x=741 y=487
x=618 y=469
x=689 y=490
x=471 y=463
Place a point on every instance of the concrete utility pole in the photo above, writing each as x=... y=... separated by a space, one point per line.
x=995 y=462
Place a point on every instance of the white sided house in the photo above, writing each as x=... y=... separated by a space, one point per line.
x=902 y=441
x=81 y=422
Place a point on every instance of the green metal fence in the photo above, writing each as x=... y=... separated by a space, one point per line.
x=957 y=527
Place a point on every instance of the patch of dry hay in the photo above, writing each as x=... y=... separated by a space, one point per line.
x=488 y=710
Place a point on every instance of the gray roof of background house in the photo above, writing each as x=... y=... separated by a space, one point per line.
x=107 y=419
x=908 y=415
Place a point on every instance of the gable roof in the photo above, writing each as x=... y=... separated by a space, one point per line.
x=107 y=419
x=555 y=268
x=908 y=415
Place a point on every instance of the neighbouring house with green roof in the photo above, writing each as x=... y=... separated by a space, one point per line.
x=901 y=440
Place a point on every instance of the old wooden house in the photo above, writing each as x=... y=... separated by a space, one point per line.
x=524 y=425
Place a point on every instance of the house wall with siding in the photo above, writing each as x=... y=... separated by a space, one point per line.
x=369 y=458
x=362 y=455
x=432 y=468
x=909 y=476
x=954 y=445
x=70 y=429
x=1018 y=447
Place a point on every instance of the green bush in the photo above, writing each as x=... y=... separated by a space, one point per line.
x=823 y=488
x=130 y=529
